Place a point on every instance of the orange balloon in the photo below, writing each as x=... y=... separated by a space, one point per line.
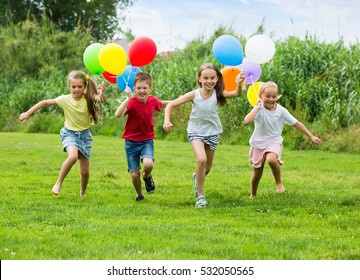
x=229 y=74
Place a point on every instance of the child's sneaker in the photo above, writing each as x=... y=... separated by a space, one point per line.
x=201 y=202
x=139 y=198
x=149 y=184
x=195 y=184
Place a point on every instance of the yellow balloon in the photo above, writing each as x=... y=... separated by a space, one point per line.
x=253 y=93
x=112 y=58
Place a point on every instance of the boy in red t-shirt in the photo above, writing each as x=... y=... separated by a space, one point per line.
x=139 y=131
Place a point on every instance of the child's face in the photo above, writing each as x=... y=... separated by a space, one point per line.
x=269 y=97
x=142 y=90
x=208 y=79
x=77 y=88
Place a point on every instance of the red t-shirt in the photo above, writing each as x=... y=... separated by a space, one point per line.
x=140 y=121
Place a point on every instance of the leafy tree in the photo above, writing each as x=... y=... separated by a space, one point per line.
x=100 y=17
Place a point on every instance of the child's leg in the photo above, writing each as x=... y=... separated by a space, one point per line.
x=255 y=179
x=201 y=162
x=210 y=154
x=274 y=163
x=84 y=174
x=148 y=166
x=135 y=178
x=65 y=168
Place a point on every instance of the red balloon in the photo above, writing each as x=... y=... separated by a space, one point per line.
x=109 y=77
x=142 y=51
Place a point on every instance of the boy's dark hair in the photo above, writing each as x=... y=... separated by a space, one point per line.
x=142 y=76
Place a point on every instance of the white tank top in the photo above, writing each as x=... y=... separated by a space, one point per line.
x=204 y=118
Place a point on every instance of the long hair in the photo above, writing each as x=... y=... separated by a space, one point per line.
x=90 y=92
x=219 y=87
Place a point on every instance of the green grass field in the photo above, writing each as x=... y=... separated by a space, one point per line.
x=317 y=218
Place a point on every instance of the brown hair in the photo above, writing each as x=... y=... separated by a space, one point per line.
x=91 y=90
x=141 y=77
x=219 y=87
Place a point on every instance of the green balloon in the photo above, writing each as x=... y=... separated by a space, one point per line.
x=91 y=58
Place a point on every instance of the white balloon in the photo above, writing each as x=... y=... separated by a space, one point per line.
x=260 y=48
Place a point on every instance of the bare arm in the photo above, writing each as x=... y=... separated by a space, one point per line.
x=238 y=91
x=121 y=110
x=249 y=118
x=165 y=103
x=301 y=127
x=178 y=101
x=24 y=116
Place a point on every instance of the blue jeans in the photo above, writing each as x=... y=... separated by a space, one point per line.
x=136 y=151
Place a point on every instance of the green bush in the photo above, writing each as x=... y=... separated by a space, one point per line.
x=319 y=83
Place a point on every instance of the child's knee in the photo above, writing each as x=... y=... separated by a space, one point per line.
x=272 y=159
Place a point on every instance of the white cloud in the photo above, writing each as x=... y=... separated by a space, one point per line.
x=171 y=24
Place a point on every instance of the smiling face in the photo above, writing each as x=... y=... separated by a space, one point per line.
x=269 y=96
x=142 y=90
x=208 y=79
x=77 y=88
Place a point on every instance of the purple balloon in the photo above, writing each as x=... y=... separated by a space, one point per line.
x=252 y=70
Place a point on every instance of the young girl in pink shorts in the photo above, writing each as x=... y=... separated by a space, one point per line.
x=266 y=140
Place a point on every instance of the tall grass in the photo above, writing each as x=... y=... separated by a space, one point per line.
x=317 y=218
x=319 y=82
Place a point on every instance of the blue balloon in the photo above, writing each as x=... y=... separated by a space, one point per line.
x=228 y=50
x=127 y=77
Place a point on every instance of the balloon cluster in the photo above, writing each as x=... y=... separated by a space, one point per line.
x=110 y=60
x=227 y=50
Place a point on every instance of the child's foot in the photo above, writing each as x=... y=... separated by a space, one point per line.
x=149 y=184
x=201 y=202
x=280 y=188
x=56 y=189
x=139 y=198
x=82 y=194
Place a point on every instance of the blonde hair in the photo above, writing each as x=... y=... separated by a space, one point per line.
x=91 y=90
x=269 y=84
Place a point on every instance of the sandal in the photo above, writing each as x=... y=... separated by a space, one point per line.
x=149 y=184
x=201 y=202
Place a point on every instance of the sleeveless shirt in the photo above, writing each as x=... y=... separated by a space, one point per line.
x=204 y=118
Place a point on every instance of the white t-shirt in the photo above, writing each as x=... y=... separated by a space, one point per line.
x=204 y=118
x=269 y=126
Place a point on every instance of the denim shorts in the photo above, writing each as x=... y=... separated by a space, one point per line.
x=136 y=151
x=80 y=139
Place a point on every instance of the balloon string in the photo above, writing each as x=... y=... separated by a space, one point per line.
x=128 y=77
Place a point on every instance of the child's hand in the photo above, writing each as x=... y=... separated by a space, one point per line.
x=24 y=116
x=101 y=88
x=317 y=140
x=259 y=104
x=240 y=78
x=128 y=92
x=168 y=126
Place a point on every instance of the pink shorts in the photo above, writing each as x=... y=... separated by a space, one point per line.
x=257 y=156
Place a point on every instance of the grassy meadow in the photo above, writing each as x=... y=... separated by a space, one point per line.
x=317 y=218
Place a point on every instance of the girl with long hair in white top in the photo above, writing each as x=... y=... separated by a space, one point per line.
x=204 y=125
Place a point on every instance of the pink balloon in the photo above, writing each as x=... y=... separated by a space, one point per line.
x=252 y=70
x=142 y=51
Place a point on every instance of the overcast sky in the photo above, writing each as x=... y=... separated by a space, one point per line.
x=171 y=24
